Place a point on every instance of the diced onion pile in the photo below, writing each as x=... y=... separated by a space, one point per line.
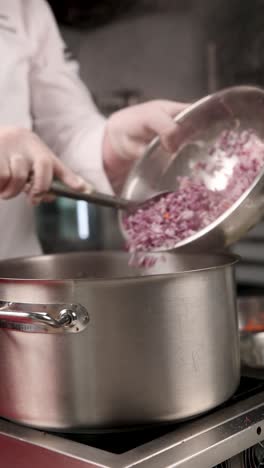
x=178 y=215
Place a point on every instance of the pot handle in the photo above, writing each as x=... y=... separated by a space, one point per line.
x=43 y=318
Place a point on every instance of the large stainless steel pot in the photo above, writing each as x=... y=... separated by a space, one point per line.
x=88 y=343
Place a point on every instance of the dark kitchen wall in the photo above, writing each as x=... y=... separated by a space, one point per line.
x=165 y=47
x=153 y=53
x=237 y=28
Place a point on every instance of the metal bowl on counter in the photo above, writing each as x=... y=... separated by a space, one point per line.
x=251 y=326
x=88 y=343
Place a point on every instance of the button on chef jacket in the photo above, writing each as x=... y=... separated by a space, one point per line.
x=40 y=90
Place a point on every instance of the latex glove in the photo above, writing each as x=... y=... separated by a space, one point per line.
x=129 y=131
x=22 y=156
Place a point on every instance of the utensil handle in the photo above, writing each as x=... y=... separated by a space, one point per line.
x=90 y=195
x=43 y=318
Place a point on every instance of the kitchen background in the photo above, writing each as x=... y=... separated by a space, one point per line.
x=135 y=50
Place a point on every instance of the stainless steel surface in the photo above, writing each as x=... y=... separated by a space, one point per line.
x=202 y=443
x=90 y=195
x=43 y=318
x=199 y=125
x=251 y=311
x=161 y=344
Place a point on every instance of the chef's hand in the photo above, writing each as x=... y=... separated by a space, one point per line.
x=129 y=131
x=22 y=156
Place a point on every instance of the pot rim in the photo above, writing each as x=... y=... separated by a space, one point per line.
x=231 y=259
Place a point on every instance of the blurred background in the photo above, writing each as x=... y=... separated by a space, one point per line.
x=135 y=50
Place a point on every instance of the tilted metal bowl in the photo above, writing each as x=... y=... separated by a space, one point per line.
x=198 y=127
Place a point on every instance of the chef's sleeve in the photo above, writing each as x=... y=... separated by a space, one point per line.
x=62 y=108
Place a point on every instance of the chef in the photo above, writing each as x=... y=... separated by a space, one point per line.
x=50 y=127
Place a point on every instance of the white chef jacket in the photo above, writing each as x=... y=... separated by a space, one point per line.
x=40 y=89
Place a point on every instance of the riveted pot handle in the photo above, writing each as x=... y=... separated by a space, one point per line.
x=43 y=318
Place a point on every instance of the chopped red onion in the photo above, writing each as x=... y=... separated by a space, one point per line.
x=178 y=215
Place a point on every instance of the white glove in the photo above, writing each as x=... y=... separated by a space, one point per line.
x=129 y=131
x=22 y=156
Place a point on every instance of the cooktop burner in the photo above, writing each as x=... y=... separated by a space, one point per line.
x=230 y=436
x=126 y=439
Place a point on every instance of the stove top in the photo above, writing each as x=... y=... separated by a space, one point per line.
x=125 y=440
x=232 y=432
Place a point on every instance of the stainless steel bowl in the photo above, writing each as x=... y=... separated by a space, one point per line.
x=251 y=326
x=198 y=127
